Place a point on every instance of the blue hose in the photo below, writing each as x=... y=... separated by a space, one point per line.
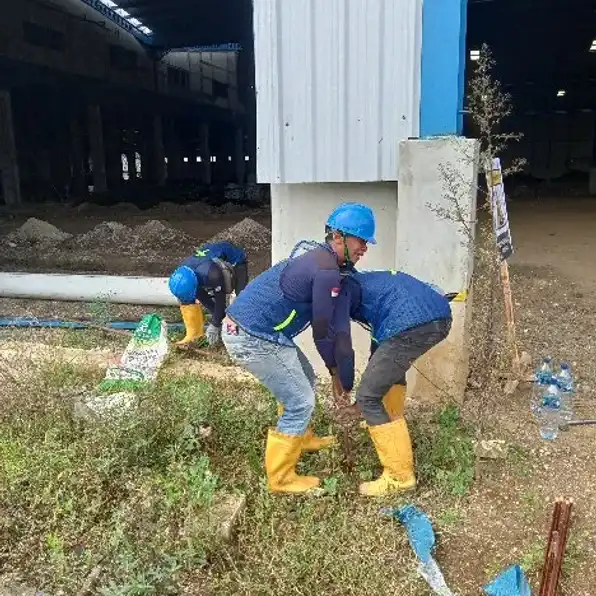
x=33 y=322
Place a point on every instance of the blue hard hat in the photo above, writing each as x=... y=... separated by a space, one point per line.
x=183 y=284
x=354 y=219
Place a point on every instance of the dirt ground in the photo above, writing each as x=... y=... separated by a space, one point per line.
x=93 y=248
x=505 y=519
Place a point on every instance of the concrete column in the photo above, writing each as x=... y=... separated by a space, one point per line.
x=592 y=183
x=96 y=142
x=239 y=156
x=205 y=152
x=438 y=249
x=158 y=152
x=174 y=151
x=77 y=157
x=113 y=157
x=9 y=167
x=299 y=211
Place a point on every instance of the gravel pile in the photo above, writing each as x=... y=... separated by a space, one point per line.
x=152 y=236
x=107 y=234
x=37 y=231
x=155 y=235
x=247 y=233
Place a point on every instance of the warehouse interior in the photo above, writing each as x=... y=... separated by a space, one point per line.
x=545 y=55
x=115 y=100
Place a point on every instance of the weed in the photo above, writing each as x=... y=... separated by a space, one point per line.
x=445 y=453
x=130 y=492
x=450 y=517
x=532 y=559
x=101 y=312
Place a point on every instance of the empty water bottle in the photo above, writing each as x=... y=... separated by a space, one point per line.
x=549 y=411
x=567 y=390
x=542 y=379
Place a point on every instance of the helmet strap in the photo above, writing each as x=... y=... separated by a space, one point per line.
x=347 y=260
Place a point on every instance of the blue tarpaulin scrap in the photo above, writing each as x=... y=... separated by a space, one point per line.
x=420 y=531
x=422 y=540
x=511 y=582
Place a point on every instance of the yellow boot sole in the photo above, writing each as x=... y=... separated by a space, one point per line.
x=386 y=485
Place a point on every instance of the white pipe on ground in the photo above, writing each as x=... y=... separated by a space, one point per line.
x=152 y=291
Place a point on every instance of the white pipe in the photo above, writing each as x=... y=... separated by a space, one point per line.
x=87 y=288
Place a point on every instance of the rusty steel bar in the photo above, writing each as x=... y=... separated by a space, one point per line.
x=555 y=549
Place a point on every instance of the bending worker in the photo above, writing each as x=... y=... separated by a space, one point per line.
x=273 y=309
x=206 y=279
x=406 y=318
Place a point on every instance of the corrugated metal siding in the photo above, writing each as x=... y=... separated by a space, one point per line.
x=338 y=86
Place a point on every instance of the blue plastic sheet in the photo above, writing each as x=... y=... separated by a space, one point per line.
x=419 y=529
x=511 y=582
x=422 y=540
x=52 y=323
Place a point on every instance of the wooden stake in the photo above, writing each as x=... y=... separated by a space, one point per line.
x=509 y=311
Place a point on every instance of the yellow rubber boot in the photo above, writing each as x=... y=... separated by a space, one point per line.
x=311 y=441
x=394 y=402
x=194 y=322
x=281 y=456
x=394 y=448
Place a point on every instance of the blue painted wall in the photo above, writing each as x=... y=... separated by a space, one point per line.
x=443 y=67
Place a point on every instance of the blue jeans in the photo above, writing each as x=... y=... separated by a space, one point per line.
x=284 y=370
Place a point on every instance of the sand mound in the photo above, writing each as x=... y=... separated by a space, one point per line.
x=39 y=231
x=107 y=234
x=247 y=233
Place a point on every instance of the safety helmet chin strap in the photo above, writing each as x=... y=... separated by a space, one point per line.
x=347 y=260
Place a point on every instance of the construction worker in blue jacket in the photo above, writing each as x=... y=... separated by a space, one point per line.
x=206 y=279
x=406 y=318
x=274 y=308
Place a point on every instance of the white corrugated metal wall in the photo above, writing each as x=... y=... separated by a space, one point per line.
x=338 y=86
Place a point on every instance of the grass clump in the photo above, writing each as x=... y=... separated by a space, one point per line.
x=127 y=494
x=445 y=452
x=132 y=495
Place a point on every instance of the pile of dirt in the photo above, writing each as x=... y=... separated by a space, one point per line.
x=247 y=233
x=37 y=231
x=107 y=234
x=155 y=235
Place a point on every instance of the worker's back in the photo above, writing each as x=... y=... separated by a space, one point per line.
x=392 y=302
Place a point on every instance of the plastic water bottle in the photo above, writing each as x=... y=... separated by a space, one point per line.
x=549 y=411
x=567 y=391
x=542 y=378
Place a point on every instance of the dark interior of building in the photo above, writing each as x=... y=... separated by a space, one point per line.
x=120 y=99
x=545 y=58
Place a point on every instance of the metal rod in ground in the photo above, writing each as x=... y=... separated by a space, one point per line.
x=563 y=535
x=584 y=422
x=555 y=549
x=549 y=552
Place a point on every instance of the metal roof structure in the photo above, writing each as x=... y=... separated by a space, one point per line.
x=221 y=25
x=541 y=48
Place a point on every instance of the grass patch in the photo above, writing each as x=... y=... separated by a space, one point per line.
x=131 y=496
x=128 y=494
x=445 y=452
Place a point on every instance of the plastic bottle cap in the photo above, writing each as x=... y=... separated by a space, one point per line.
x=547 y=359
x=564 y=365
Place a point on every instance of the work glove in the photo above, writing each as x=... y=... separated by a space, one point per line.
x=213 y=334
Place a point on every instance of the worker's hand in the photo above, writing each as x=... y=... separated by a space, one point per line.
x=347 y=415
x=213 y=334
x=341 y=397
x=231 y=327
